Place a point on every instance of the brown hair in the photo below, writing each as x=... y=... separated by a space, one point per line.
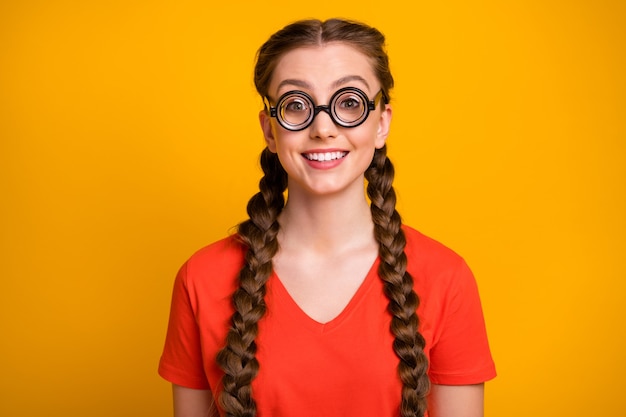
x=259 y=234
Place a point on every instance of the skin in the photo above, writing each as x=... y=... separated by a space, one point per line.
x=460 y=401
x=320 y=71
x=190 y=402
x=326 y=225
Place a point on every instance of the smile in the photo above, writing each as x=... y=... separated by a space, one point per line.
x=326 y=156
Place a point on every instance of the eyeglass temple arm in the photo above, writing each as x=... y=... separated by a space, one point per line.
x=381 y=94
x=268 y=108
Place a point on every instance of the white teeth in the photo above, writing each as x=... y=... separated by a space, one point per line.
x=327 y=156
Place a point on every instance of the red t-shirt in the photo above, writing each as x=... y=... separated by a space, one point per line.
x=343 y=368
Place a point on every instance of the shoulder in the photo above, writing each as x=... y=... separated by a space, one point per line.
x=221 y=255
x=436 y=269
x=427 y=252
x=213 y=269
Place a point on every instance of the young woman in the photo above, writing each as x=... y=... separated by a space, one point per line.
x=312 y=308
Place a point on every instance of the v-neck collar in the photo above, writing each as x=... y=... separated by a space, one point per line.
x=303 y=319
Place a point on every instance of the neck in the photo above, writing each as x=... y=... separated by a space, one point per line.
x=326 y=223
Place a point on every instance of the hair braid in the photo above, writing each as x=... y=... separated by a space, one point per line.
x=237 y=359
x=398 y=286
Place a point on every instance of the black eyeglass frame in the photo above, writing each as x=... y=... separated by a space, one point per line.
x=328 y=108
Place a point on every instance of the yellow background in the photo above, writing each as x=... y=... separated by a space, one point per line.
x=129 y=139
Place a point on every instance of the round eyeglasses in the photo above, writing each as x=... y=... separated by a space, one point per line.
x=348 y=107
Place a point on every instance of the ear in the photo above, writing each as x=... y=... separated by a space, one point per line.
x=268 y=131
x=384 y=124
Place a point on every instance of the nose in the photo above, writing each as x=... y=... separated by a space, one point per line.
x=323 y=126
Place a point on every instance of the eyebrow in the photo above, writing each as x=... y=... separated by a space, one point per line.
x=338 y=83
x=293 y=82
x=349 y=78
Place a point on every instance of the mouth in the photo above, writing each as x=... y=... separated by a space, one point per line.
x=325 y=156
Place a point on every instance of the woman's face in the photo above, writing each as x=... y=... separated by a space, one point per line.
x=325 y=158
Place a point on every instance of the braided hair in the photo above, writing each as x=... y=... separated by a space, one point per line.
x=259 y=235
x=398 y=286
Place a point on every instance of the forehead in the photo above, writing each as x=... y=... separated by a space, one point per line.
x=322 y=66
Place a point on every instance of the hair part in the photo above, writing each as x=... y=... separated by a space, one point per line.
x=307 y=33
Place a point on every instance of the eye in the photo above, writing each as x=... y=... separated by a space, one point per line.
x=350 y=102
x=295 y=109
x=295 y=105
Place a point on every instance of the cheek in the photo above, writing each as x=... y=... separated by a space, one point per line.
x=369 y=139
x=285 y=144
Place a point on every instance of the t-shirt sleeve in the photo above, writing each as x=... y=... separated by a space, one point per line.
x=181 y=362
x=460 y=355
